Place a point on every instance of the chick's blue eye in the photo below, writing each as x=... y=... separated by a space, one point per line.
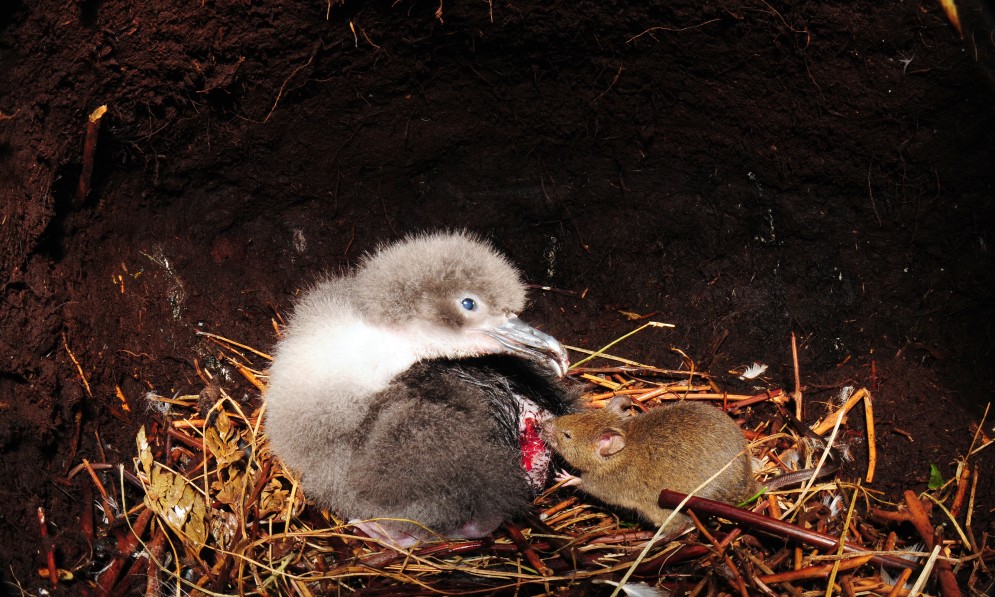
x=469 y=304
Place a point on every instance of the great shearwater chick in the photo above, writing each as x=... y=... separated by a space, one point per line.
x=409 y=392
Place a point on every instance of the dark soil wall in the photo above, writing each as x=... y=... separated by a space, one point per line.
x=743 y=170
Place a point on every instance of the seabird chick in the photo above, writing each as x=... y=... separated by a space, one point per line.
x=408 y=391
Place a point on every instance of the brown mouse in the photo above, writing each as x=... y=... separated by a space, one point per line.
x=626 y=460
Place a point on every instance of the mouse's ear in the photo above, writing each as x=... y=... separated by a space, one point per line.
x=618 y=404
x=611 y=442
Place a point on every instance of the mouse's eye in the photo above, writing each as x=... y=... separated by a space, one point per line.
x=469 y=304
x=566 y=434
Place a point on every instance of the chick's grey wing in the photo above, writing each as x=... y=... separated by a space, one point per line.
x=430 y=449
x=507 y=374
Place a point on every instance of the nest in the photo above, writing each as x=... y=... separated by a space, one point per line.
x=207 y=510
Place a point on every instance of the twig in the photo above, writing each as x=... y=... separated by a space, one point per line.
x=837 y=567
x=632 y=368
x=600 y=352
x=626 y=537
x=827 y=423
x=820 y=571
x=962 y=483
x=222 y=340
x=920 y=520
x=124 y=399
x=818 y=467
x=156 y=548
x=556 y=509
x=672 y=29
x=977 y=431
x=366 y=37
x=191 y=442
x=86 y=515
x=970 y=511
x=797 y=394
x=49 y=546
x=900 y=583
x=127 y=544
x=872 y=451
x=77 y=434
x=808 y=35
x=82 y=376
x=924 y=576
x=279 y=94
x=612 y=84
x=644 y=395
x=249 y=375
x=953 y=521
x=671 y=499
x=527 y=550
x=89 y=149
x=720 y=551
x=104 y=466
x=762 y=397
x=108 y=511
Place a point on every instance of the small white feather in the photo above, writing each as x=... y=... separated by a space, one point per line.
x=889 y=578
x=834 y=503
x=753 y=371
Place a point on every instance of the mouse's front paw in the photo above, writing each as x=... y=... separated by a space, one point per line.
x=566 y=479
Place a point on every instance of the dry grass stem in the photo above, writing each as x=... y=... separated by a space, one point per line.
x=217 y=514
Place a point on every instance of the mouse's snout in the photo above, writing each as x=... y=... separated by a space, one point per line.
x=548 y=428
x=551 y=432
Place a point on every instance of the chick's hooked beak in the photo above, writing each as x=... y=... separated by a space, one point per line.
x=518 y=337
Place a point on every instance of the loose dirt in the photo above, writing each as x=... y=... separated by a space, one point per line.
x=741 y=169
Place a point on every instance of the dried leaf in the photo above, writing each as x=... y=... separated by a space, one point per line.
x=273 y=498
x=223 y=425
x=230 y=492
x=156 y=494
x=144 y=451
x=196 y=526
x=174 y=507
x=175 y=501
x=222 y=441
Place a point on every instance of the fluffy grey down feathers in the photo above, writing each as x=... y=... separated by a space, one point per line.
x=386 y=397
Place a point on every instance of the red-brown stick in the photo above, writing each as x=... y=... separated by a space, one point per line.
x=49 y=546
x=86 y=515
x=819 y=571
x=797 y=394
x=191 y=442
x=962 y=483
x=89 y=150
x=670 y=499
x=156 y=549
x=734 y=406
x=519 y=539
x=127 y=545
x=920 y=520
x=900 y=583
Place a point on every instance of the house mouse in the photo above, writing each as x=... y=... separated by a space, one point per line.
x=627 y=460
